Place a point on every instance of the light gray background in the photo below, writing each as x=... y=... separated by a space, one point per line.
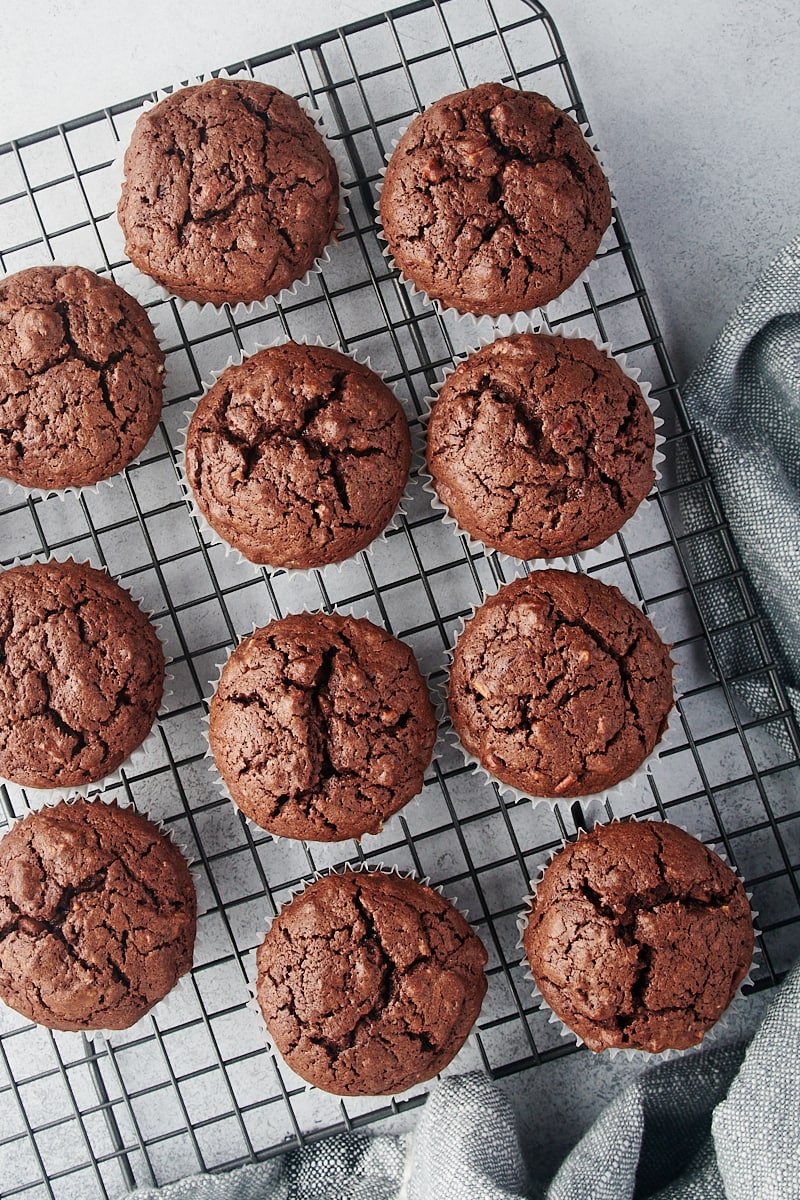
x=695 y=104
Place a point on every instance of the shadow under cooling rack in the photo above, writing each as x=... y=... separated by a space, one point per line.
x=193 y=1086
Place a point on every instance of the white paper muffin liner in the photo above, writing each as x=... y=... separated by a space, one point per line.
x=532 y=314
x=21 y=492
x=630 y=1053
x=219 y=783
x=147 y=291
x=253 y=1006
x=668 y=740
x=32 y=797
x=523 y=325
x=210 y=535
x=69 y=796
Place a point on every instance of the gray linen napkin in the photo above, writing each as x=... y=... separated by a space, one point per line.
x=744 y=402
x=720 y=1125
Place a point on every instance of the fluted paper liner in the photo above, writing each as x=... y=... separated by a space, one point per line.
x=522 y=325
x=139 y=754
x=252 y=979
x=629 y=1052
x=219 y=783
x=147 y=291
x=668 y=739
x=69 y=796
x=210 y=534
x=532 y=314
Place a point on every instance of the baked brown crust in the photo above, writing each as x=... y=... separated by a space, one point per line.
x=230 y=193
x=97 y=916
x=541 y=446
x=369 y=983
x=560 y=686
x=298 y=457
x=493 y=201
x=81 y=675
x=81 y=377
x=639 y=936
x=322 y=727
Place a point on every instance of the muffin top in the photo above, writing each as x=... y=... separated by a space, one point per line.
x=97 y=916
x=541 y=446
x=81 y=677
x=322 y=727
x=298 y=457
x=639 y=936
x=493 y=201
x=559 y=685
x=81 y=377
x=230 y=193
x=369 y=982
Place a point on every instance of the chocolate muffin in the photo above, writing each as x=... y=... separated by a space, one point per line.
x=81 y=675
x=369 y=983
x=322 y=727
x=230 y=193
x=639 y=936
x=541 y=446
x=81 y=377
x=97 y=916
x=493 y=201
x=298 y=456
x=560 y=686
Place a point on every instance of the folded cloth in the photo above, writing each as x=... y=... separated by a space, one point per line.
x=744 y=403
x=723 y=1124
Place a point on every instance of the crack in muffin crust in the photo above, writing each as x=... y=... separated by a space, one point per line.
x=639 y=936
x=493 y=202
x=81 y=377
x=369 y=982
x=97 y=916
x=541 y=446
x=230 y=193
x=321 y=727
x=81 y=675
x=559 y=685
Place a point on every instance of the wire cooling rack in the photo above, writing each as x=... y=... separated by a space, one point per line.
x=193 y=1086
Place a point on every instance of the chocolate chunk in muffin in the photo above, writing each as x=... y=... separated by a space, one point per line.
x=322 y=727
x=639 y=936
x=97 y=916
x=560 y=686
x=81 y=675
x=541 y=446
x=493 y=201
x=81 y=378
x=369 y=983
x=230 y=193
x=298 y=456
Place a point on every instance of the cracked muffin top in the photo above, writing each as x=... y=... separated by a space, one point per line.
x=369 y=983
x=97 y=916
x=81 y=675
x=639 y=936
x=230 y=193
x=298 y=457
x=493 y=201
x=321 y=727
x=81 y=376
x=559 y=685
x=541 y=446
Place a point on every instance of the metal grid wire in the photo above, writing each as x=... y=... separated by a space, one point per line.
x=192 y=1086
